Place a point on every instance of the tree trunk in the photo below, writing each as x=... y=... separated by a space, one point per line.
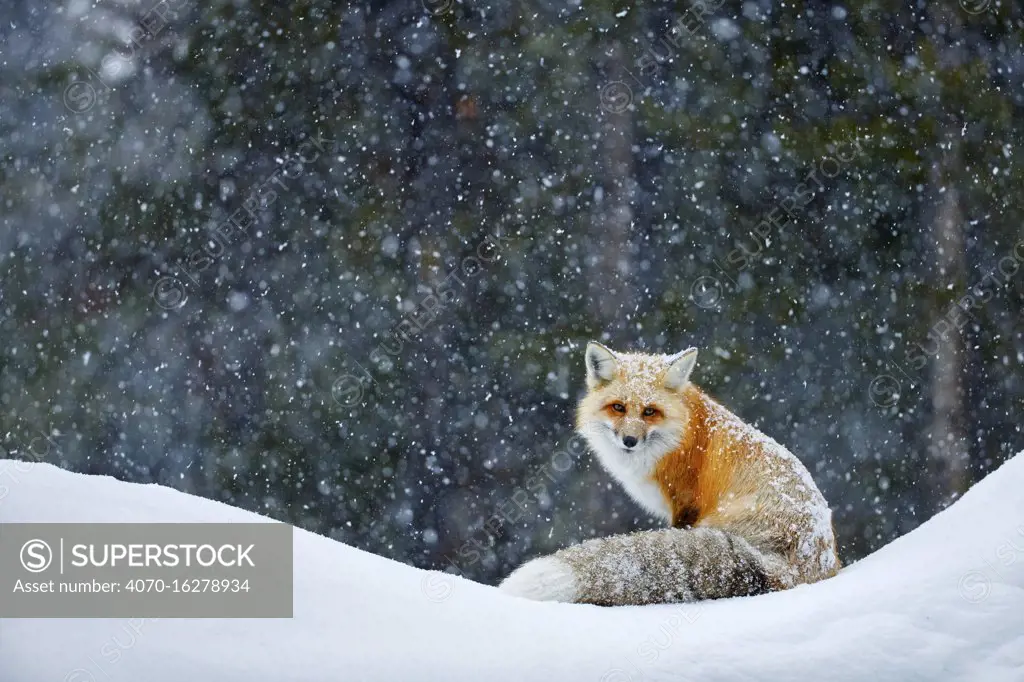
x=609 y=253
x=947 y=438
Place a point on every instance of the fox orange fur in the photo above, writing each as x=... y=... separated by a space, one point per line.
x=745 y=515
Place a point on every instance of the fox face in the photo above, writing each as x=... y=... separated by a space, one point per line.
x=632 y=420
x=634 y=414
x=633 y=399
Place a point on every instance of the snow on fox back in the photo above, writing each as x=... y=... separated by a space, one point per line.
x=790 y=480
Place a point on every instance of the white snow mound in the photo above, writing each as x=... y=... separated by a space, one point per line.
x=945 y=602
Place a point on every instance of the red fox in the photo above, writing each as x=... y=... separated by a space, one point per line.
x=745 y=515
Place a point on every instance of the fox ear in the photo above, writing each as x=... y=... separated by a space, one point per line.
x=680 y=366
x=601 y=364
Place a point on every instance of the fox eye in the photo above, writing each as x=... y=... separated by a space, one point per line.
x=649 y=411
x=618 y=407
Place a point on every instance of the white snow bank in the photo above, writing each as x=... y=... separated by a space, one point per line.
x=945 y=602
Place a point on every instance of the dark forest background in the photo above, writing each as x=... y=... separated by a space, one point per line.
x=337 y=262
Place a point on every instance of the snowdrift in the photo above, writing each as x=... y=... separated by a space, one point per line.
x=945 y=602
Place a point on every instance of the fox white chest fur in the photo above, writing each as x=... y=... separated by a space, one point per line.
x=634 y=470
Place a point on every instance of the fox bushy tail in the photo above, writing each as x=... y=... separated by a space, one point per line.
x=651 y=567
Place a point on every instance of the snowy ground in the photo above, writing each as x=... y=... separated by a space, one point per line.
x=945 y=602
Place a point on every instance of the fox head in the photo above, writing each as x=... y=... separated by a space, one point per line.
x=634 y=412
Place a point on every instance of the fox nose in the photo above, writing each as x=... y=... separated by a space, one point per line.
x=629 y=441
